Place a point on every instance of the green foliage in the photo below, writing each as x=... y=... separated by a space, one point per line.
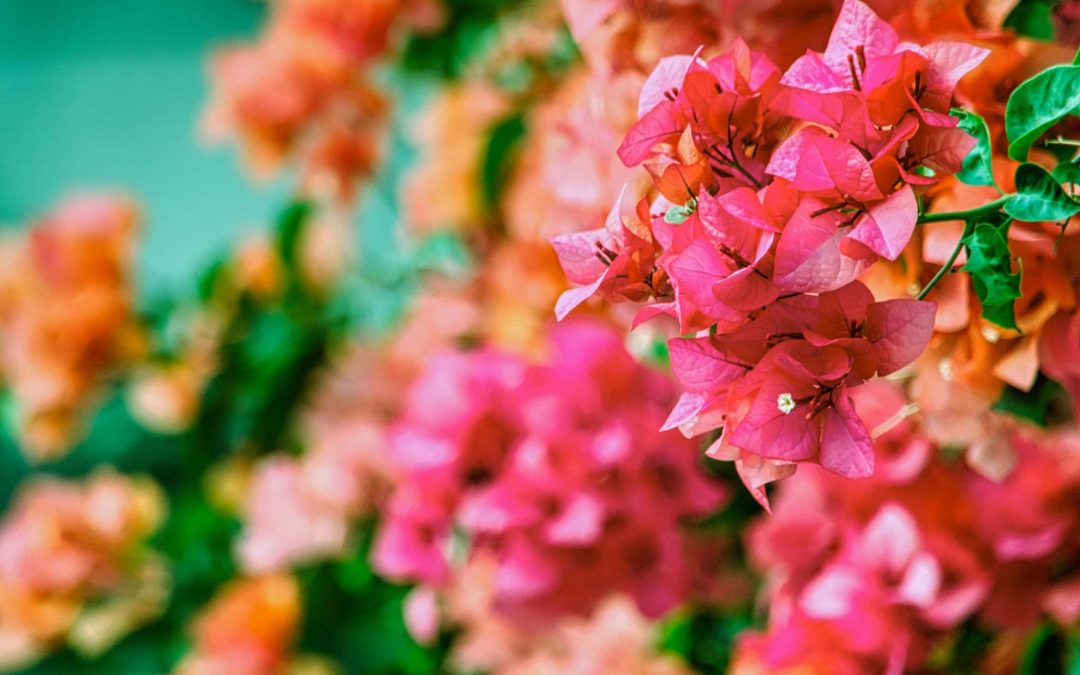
x=1045 y=653
x=1067 y=173
x=1040 y=404
x=357 y=619
x=704 y=639
x=467 y=31
x=1038 y=104
x=1039 y=197
x=978 y=166
x=1033 y=19
x=990 y=265
x=504 y=141
x=1072 y=656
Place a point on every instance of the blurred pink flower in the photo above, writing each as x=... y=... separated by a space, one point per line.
x=554 y=470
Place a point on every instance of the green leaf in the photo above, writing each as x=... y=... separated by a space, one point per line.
x=1036 y=405
x=677 y=215
x=990 y=266
x=1067 y=172
x=978 y=166
x=290 y=227
x=1045 y=652
x=1039 y=197
x=1072 y=665
x=1038 y=104
x=502 y=149
x=1033 y=19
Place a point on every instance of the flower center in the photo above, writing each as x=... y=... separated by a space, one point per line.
x=785 y=402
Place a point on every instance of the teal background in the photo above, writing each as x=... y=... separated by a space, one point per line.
x=107 y=93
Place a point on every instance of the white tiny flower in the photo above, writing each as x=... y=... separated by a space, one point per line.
x=990 y=335
x=785 y=403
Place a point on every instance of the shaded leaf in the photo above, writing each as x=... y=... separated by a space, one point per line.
x=1067 y=172
x=1039 y=197
x=1033 y=19
x=1038 y=104
x=990 y=266
x=978 y=168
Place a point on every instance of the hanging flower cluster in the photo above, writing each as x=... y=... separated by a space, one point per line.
x=775 y=192
x=303 y=89
x=555 y=470
x=66 y=316
x=75 y=567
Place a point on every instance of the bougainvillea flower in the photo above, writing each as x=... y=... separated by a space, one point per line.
x=66 y=316
x=616 y=262
x=247 y=629
x=779 y=385
x=542 y=468
x=74 y=565
x=867 y=79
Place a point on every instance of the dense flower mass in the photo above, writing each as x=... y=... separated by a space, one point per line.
x=872 y=577
x=74 y=566
x=490 y=450
x=66 y=316
x=759 y=219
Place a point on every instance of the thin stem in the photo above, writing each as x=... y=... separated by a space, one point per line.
x=947 y=267
x=1063 y=141
x=967 y=215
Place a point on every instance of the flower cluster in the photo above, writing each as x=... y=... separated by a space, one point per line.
x=873 y=579
x=301 y=509
x=776 y=191
x=303 y=88
x=74 y=566
x=555 y=470
x=66 y=316
x=615 y=639
x=248 y=629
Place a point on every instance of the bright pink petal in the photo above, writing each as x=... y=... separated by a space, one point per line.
x=699 y=366
x=888 y=225
x=941 y=149
x=668 y=75
x=808 y=257
x=575 y=296
x=949 y=61
x=813 y=161
x=579 y=523
x=846 y=447
x=578 y=257
x=858 y=28
x=657 y=126
x=899 y=330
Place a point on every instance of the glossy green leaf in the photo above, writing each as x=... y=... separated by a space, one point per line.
x=978 y=166
x=1039 y=197
x=990 y=266
x=1038 y=104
